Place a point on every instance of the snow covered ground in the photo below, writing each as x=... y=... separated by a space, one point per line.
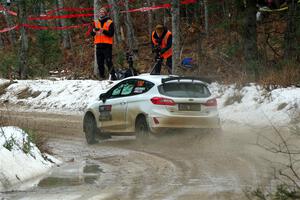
x=251 y=105
x=255 y=106
x=20 y=160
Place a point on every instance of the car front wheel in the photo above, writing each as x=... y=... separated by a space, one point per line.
x=142 y=128
x=90 y=128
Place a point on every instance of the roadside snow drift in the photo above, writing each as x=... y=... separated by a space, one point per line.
x=53 y=96
x=256 y=106
x=20 y=160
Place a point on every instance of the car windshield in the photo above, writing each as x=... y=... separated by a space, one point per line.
x=184 y=89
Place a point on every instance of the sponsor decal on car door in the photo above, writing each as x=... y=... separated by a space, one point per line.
x=113 y=119
x=118 y=103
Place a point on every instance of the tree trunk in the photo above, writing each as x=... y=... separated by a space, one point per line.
x=150 y=18
x=23 y=51
x=186 y=14
x=97 y=5
x=65 y=33
x=12 y=34
x=250 y=39
x=131 y=39
x=291 y=44
x=206 y=16
x=116 y=18
x=165 y=18
x=41 y=9
x=1 y=42
x=175 y=36
x=199 y=38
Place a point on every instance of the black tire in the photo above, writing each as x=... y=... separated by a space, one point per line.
x=141 y=128
x=90 y=129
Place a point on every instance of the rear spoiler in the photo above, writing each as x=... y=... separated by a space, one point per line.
x=178 y=78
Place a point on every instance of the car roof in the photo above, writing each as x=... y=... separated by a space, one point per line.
x=157 y=79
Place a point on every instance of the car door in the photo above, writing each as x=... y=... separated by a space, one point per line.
x=115 y=107
x=137 y=101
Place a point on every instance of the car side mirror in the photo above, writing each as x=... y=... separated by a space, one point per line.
x=102 y=97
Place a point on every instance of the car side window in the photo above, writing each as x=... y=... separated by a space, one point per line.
x=129 y=87
x=122 y=89
x=116 y=91
x=142 y=86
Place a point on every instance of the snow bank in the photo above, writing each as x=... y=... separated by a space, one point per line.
x=54 y=96
x=254 y=105
x=20 y=159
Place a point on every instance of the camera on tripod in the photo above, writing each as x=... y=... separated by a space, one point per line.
x=130 y=56
x=130 y=71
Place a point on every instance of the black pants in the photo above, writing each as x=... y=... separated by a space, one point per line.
x=157 y=68
x=104 y=54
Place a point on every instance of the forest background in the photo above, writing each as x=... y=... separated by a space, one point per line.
x=224 y=38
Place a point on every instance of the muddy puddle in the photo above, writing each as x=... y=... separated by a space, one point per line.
x=72 y=176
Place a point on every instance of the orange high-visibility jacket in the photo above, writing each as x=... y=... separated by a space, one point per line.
x=100 y=37
x=163 y=44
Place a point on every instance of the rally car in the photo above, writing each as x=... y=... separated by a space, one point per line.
x=149 y=104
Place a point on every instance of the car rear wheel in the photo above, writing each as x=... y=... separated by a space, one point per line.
x=142 y=128
x=90 y=128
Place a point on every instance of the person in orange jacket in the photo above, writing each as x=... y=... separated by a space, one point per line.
x=103 y=32
x=161 y=40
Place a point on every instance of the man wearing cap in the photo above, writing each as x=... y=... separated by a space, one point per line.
x=161 y=40
x=103 y=32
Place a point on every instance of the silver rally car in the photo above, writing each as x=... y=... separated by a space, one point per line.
x=148 y=104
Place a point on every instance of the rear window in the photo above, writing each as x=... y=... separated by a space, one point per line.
x=184 y=89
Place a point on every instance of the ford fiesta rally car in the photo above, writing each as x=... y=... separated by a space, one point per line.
x=147 y=104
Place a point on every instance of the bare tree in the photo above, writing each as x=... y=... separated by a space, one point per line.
x=41 y=9
x=250 y=38
x=206 y=16
x=199 y=34
x=150 y=17
x=286 y=171
x=165 y=21
x=1 y=42
x=65 y=33
x=132 y=42
x=97 y=5
x=23 y=51
x=291 y=42
x=116 y=18
x=175 y=36
x=12 y=34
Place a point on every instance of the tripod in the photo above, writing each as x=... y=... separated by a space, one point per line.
x=157 y=64
x=129 y=58
x=155 y=70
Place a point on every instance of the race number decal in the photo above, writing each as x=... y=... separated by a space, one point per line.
x=105 y=113
x=140 y=83
x=139 y=90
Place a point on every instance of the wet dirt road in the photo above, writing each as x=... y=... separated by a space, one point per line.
x=182 y=166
